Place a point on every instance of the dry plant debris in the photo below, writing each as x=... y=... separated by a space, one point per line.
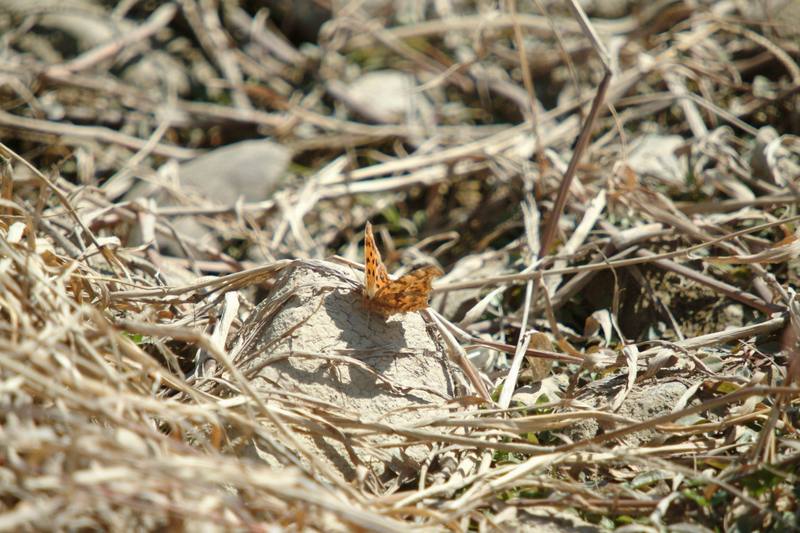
x=613 y=200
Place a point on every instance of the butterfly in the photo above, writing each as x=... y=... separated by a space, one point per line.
x=386 y=296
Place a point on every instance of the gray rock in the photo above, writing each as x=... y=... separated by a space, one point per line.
x=783 y=16
x=385 y=96
x=250 y=169
x=644 y=402
x=607 y=8
x=543 y=519
x=313 y=338
x=157 y=69
x=654 y=155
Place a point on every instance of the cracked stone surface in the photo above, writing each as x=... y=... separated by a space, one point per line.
x=645 y=401
x=312 y=337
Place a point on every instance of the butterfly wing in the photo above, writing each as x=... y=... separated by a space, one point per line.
x=406 y=294
x=375 y=274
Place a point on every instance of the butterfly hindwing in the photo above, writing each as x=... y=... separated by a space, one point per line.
x=408 y=293
x=375 y=275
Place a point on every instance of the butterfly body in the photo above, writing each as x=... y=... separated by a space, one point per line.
x=386 y=296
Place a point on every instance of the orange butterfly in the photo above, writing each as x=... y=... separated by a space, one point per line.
x=386 y=296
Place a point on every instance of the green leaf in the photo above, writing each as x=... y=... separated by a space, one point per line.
x=696 y=497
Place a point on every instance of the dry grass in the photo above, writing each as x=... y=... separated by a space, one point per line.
x=639 y=342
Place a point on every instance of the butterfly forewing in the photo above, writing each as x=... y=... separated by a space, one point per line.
x=375 y=275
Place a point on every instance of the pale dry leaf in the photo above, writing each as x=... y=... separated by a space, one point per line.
x=786 y=249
